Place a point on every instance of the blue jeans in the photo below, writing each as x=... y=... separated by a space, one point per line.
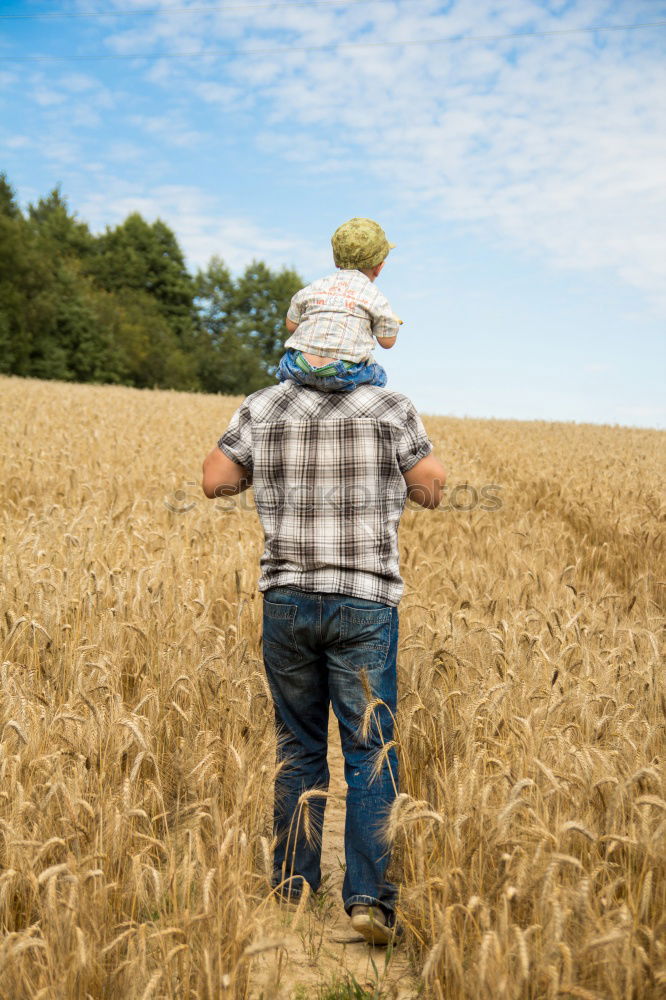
x=343 y=379
x=321 y=649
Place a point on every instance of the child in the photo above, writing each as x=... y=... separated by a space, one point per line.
x=333 y=321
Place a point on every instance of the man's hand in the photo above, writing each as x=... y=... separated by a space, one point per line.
x=425 y=481
x=222 y=477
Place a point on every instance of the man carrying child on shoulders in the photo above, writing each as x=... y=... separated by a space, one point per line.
x=332 y=456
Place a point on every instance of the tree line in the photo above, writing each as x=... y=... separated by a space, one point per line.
x=121 y=306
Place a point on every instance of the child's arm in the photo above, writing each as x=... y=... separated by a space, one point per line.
x=295 y=311
x=385 y=323
x=389 y=341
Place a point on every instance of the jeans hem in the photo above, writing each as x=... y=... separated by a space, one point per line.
x=360 y=900
x=290 y=888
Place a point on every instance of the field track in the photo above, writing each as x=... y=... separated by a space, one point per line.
x=136 y=735
x=319 y=944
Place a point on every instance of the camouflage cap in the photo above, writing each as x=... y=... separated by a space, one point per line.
x=359 y=243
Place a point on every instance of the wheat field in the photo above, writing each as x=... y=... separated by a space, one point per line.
x=136 y=731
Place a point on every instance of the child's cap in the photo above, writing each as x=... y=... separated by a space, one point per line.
x=359 y=243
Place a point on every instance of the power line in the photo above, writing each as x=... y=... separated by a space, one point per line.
x=330 y=46
x=217 y=8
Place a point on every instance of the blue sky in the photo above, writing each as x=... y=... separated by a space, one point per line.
x=522 y=179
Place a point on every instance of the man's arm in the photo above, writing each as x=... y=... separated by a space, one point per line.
x=291 y=326
x=425 y=481
x=222 y=477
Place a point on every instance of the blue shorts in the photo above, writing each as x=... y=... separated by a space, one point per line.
x=338 y=376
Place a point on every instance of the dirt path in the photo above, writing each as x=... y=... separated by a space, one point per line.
x=318 y=945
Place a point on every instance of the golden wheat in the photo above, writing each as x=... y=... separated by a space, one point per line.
x=136 y=729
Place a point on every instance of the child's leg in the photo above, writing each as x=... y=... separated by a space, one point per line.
x=288 y=370
x=339 y=376
x=368 y=373
x=294 y=368
x=363 y=373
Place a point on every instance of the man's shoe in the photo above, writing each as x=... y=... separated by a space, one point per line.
x=370 y=921
x=289 y=891
x=287 y=900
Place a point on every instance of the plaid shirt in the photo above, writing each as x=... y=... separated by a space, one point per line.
x=339 y=315
x=327 y=471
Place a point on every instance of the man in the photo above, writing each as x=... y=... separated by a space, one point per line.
x=331 y=473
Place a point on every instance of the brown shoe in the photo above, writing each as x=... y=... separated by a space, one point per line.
x=371 y=923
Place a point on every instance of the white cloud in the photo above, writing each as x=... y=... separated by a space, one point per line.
x=555 y=145
x=84 y=115
x=78 y=82
x=18 y=142
x=46 y=97
x=221 y=94
x=552 y=144
x=123 y=151
x=171 y=30
x=71 y=98
x=63 y=152
x=201 y=228
x=173 y=129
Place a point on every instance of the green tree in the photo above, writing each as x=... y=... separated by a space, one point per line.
x=261 y=300
x=11 y=297
x=25 y=278
x=151 y=352
x=122 y=307
x=66 y=339
x=50 y=312
x=51 y=219
x=77 y=324
x=8 y=204
x=244 y=324
x=155 y=325
x=227 y=363
x=146 y=258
